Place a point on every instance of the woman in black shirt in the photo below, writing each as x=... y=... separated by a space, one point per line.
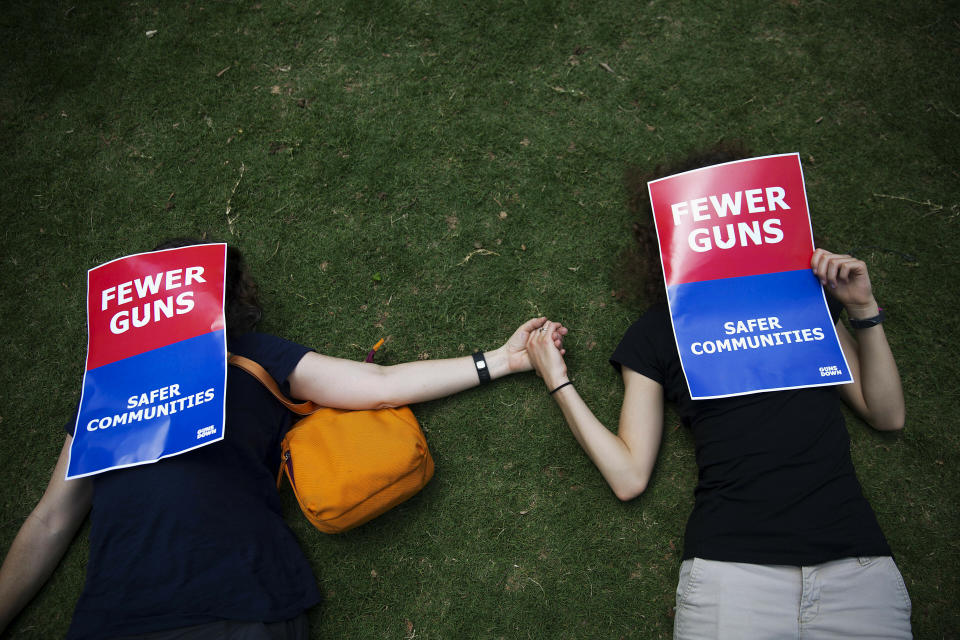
x=781 y=541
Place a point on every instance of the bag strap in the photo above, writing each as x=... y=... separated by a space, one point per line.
x=258 y=372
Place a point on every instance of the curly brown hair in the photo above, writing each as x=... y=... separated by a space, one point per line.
x=642 y=262
x=241 y=307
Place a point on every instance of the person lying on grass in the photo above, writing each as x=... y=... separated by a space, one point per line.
x=194 y=546
x=781 y=542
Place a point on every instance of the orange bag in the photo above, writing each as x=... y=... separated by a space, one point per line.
x=348 y=467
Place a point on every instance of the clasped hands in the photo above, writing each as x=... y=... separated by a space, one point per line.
x=544 y=349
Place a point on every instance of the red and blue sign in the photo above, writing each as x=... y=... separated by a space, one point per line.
x=748 y=314
x=155 y=378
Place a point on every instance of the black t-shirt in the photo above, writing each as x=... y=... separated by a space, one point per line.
x=776 y=482
x=200 y=536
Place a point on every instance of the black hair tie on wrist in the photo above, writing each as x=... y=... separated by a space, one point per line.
x=560 y=387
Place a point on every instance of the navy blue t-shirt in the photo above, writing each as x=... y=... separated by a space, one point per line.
x=776 y=481
x=200 y=537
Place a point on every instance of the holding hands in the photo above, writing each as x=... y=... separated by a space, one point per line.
x=546 y=354
x=517 y=347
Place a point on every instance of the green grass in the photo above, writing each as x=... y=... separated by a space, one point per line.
x=366 y=149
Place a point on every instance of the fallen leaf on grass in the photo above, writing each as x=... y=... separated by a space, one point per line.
x=606 y=67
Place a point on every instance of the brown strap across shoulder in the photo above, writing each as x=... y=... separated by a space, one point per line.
x=258 y=372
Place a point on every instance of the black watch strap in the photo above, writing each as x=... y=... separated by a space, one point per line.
x=481 y=363
x=866 y=323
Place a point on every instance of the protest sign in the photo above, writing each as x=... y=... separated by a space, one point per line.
x=155 y=377
x=748 y=314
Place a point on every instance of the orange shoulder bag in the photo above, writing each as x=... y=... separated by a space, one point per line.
x=348 y=467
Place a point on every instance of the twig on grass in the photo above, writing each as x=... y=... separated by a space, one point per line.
x=231 y=220
x=927 y=203
x=482 y=252
x=536 y=583
x=275 y=249
x=932 y=206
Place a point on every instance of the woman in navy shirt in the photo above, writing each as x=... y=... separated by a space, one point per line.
x=195 y=546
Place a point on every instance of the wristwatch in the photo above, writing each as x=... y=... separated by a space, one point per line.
x=866 y=323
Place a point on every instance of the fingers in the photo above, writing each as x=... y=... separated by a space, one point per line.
x=546 y=356
x=832 y=268
x=545 y=330
x=557 y=333
x=545 y=335
x=533 y=324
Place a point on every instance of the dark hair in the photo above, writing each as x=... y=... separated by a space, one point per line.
x=241 y=307
x=642 y=263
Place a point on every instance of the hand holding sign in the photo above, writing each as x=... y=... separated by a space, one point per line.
x=847 y=280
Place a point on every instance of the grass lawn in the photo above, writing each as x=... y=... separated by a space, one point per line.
x=435 y=173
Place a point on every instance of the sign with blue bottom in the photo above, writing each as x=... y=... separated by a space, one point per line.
x=150 y=406
x=763 y=332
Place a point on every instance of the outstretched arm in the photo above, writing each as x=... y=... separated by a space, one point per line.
x=345 y=384
x=43 y=538
x=876 y=393
x=626 y=458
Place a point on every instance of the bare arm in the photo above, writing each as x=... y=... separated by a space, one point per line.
x=43 y=538
x=876 y=394
x=626 y=458
x=345 y=384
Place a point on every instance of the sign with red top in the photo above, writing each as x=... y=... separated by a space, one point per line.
x=155 y=377
x=748 y=314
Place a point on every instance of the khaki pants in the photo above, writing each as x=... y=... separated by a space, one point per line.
x=848 y=598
